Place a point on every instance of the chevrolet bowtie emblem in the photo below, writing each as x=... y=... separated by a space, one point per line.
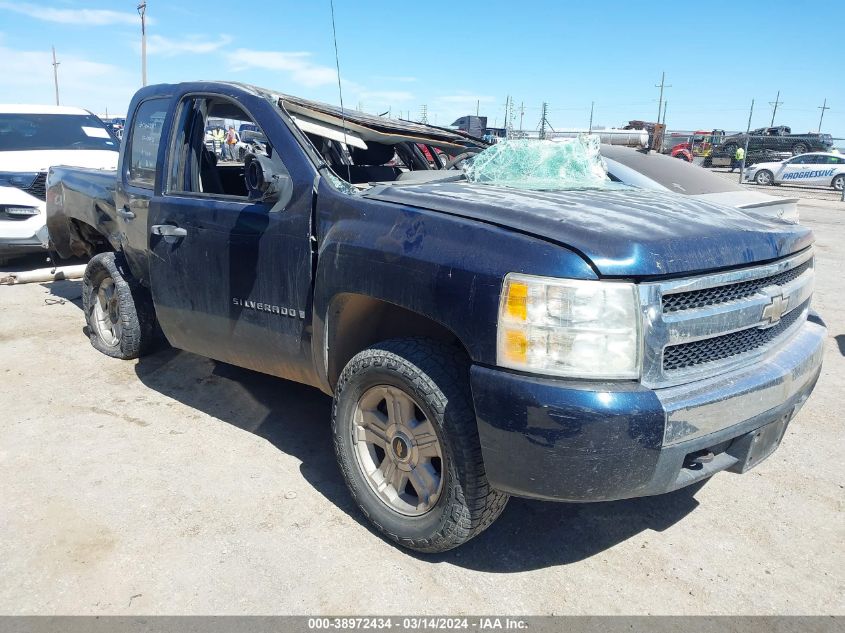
x=773 y=312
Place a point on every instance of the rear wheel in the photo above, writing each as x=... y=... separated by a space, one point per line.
x=119 y=311
x=799 y=148
x=407 y=443
x=838 y=183
x=764 y=177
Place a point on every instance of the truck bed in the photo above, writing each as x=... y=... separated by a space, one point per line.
x=79 y=198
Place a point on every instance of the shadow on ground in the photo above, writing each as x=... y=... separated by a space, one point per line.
x=840 y=341
x=295 y=419
x=68 y=291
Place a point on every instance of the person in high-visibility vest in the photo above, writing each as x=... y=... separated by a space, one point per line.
x=739 y=155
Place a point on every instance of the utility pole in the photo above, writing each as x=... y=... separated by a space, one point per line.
x=823 y=107
x=477 y=106
x=423 y=113
x=592 y=106
x=665 y=105
x=142 y=11
x=747 y=138
x=543 y=112
x=56 y=75
x=661 y=85
x=521 y=113
x=775 y=105
x=507 y=114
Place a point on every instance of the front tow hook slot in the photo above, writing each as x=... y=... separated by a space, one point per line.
x=696 y=460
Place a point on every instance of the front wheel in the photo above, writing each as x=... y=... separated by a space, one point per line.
x=799 y=148
x=407 y=443
x=119 y=311
x=764 y=177
x=839 y=182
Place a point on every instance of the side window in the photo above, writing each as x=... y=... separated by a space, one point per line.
x=211 y=144
x=800 y=160
x=144 y=141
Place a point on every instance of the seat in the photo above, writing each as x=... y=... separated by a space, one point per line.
x=209 y=174
x=369 y=165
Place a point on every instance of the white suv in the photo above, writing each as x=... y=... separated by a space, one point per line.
x=33 y=138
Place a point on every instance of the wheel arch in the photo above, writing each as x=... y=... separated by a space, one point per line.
x=354 y=322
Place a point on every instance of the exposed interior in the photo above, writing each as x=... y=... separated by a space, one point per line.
x=362 y=149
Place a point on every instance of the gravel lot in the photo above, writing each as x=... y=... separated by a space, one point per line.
x=177 y=485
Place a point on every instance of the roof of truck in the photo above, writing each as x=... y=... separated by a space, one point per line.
x=384 y=128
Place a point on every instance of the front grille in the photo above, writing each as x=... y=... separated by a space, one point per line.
x=731 y=292
x=688 y=355
x=38 y=188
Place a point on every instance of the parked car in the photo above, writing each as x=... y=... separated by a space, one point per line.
x=479 y=341
x=777 y=139
x=819 y=168
x=32 y=139
x=659 y=172
x=251 y=142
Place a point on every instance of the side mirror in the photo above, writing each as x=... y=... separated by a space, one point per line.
x=262 y=181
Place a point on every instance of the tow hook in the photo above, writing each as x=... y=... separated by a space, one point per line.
x=696 y=460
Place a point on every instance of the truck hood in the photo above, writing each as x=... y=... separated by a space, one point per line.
x=622 y=232
x=42 y=159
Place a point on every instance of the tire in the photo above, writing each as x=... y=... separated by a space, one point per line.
x=118 y=310
x=434 y=378
x=764 y=177
x=799 y=148
x=730 y=149
x=838 y=182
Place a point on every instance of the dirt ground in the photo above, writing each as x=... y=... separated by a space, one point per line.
x=177 y=485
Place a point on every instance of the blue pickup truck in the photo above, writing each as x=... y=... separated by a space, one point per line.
x=479 y=341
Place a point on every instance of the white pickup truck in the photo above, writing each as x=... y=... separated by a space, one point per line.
x=34 y=138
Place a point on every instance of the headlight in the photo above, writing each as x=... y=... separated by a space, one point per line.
x=569 y=327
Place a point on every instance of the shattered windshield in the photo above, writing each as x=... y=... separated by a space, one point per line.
x=573 y=163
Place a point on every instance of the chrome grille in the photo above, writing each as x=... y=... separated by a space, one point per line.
x=700 y=326
x=725 y=346
x=731 y=292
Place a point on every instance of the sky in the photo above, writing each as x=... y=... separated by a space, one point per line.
x=449 y=57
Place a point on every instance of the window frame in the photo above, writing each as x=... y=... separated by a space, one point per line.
x=189 y=100
x=130 y=144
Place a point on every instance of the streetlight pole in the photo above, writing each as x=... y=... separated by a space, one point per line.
x=56 y=75
x=142 y=10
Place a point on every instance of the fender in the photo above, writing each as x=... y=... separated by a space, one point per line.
x=445 y=268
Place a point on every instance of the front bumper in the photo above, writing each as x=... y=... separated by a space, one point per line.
x=590 y=441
